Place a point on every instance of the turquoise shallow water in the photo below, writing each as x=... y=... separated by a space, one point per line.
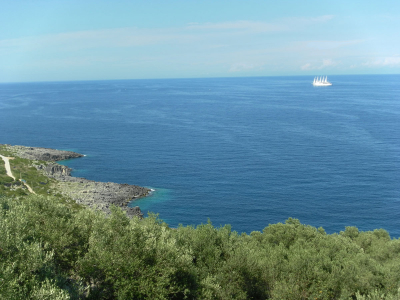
x=241 y=151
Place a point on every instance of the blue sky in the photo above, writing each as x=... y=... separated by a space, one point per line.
x=91 y=40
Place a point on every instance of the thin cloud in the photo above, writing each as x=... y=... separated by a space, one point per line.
x=307 y=66
x=285 y=24
x=321 y=19
x=241 y=67
x=325 y=45
x=326 y=63
x=239 y=25
x=295 y=21
x=136 y=37
x=391 y=61
x=114 y=38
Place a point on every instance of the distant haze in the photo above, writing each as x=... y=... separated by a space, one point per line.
x=93 y=40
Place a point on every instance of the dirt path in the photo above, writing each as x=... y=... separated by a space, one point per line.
x=9 y=173
x=7 y=164
x=27 y=186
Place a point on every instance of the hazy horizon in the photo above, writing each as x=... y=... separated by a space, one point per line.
x=188 y=78
x=103 y=40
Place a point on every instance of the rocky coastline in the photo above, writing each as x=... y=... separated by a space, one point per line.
x=94 y=194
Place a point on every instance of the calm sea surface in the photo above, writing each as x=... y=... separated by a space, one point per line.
x=242 y=151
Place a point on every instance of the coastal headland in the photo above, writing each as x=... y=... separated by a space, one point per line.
x=94 y=194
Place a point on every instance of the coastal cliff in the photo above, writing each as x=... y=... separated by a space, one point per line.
x=98 y=195
x=38 y=153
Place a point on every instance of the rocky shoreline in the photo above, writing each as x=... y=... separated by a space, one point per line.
x=94 y=194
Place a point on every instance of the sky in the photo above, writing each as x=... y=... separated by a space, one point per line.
x=60 y=40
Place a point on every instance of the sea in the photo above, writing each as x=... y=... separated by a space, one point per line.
x=248 y=152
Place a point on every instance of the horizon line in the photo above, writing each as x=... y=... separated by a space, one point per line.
x=183 y=78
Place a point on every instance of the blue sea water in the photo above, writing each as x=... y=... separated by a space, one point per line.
x=242 y=151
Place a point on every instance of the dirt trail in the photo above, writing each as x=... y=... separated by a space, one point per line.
x=7 y=164
x=9 y=173
x=27 y=186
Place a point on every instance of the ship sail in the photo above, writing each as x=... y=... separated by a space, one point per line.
x=321 y=81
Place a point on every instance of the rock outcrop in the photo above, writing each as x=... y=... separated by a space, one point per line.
x=55 y=170
x=101 y=195
x=46 y=154
x=98 y=195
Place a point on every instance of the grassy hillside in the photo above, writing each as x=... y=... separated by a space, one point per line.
x=25 y=170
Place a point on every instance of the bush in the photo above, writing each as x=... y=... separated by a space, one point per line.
x=49 y=250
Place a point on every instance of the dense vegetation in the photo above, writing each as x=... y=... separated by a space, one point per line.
x=51 y=250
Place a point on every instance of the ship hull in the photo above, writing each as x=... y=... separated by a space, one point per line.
x=322 y=83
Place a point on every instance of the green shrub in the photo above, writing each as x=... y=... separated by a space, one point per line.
x=49 y=250
x=135 y=259
x=35 y=248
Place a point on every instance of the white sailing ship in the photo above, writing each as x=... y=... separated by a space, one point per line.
x=321 y=81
